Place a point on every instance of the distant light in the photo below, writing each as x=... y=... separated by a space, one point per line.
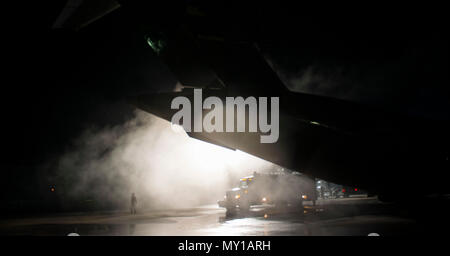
x=356 y=189
x=304 y=196
x=343 y=190
x=264 y=199
x=52 y=189
x=266 y=216
x=156 y=45
x=237 y=196
x=314 y=123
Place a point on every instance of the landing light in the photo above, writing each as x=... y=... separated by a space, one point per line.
x=177 y=128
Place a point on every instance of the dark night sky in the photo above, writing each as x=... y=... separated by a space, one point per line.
x=57 y=83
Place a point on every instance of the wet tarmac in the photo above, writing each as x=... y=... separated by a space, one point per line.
x=342 y=217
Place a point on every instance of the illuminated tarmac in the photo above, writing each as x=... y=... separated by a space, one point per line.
x=352 y=216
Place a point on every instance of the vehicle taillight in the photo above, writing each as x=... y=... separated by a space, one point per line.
x=356 y=189
x=343 y=190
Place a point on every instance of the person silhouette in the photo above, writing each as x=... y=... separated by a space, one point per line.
x=133 y=203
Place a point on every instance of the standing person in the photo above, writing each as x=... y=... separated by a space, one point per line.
x=133 y=203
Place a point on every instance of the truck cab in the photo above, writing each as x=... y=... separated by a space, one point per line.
x=279 y=189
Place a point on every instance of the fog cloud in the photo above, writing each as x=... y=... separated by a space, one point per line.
x=163 y=166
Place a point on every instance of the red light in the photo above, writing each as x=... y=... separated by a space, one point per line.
x=343 y=190
x=356 y=189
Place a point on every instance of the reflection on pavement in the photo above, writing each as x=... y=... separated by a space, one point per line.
x=351 y=217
